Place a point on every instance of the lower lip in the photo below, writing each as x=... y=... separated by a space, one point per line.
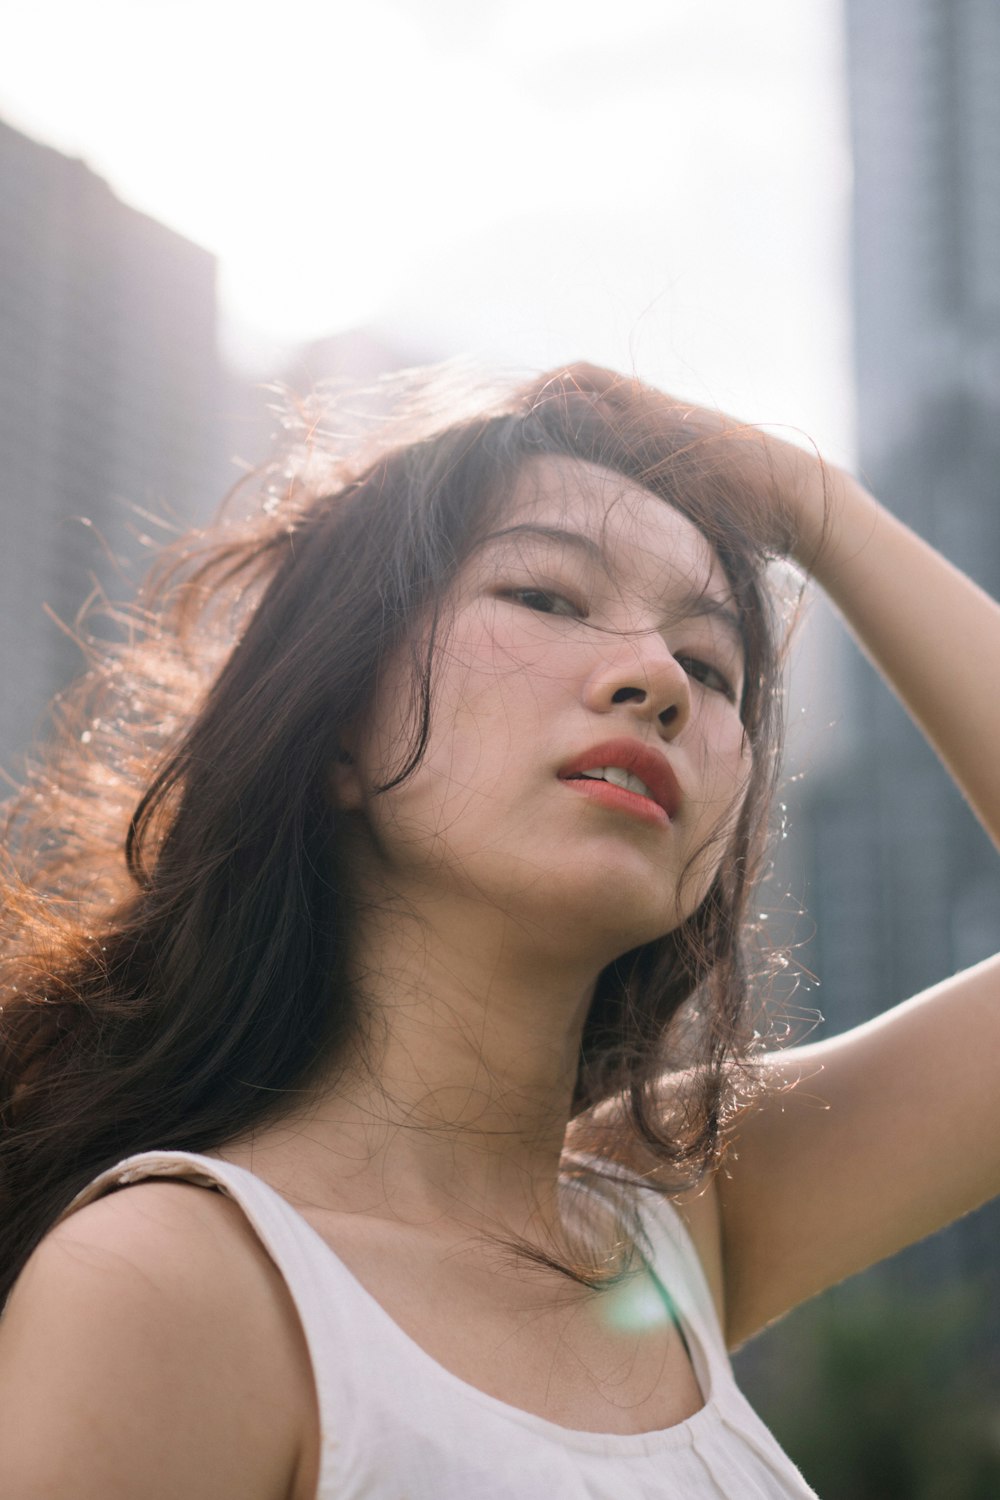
x=617 y=798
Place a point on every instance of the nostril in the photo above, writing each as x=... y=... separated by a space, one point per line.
x=668 y=715
x=628 y=695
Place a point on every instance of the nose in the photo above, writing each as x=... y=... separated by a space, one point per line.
x=643 y=677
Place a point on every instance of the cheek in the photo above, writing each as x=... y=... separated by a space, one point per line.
x=500 y=680
x=726 y=762
x=724 y=792
x=486 y=700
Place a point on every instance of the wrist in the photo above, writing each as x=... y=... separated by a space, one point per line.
x=837 y=525
x=824 y=509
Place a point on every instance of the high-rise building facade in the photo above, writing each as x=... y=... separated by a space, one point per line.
x=901 y=885
x=109 y=407
x=906 y=888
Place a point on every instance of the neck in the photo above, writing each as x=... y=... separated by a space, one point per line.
x=456 y=1107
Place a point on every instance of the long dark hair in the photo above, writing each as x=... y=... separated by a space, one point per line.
x=173 y=971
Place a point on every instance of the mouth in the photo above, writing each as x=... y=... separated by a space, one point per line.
x=616 y=776
x=617 y=798
x=628 y=774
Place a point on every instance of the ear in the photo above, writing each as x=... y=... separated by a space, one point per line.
x=345 y=784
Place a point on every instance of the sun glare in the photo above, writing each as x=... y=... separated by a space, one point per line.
x=516 y=180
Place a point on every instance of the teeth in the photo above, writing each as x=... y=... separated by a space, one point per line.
x=618 y=777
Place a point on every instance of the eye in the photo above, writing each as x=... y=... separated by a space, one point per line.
x=544 y=601
x=709 y=676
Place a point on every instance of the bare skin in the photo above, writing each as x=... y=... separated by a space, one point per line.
x=495 y=895
x=150 y=1347
x=898 y=1119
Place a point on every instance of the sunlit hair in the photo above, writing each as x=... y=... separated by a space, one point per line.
x=173 y=970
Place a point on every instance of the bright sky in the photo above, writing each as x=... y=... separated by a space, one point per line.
x=661 y=185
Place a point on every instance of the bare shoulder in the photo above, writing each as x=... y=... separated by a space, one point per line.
x=150 y=1346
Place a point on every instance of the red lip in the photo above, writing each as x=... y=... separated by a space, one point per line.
x=634 y=756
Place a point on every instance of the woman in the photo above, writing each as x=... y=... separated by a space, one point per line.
x=431 y=959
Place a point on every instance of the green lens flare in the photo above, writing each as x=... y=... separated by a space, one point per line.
x=638 y=1304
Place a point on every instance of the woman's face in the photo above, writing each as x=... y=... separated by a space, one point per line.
x=594 y=631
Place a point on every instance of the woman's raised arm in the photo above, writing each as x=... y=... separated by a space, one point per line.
x=930 y=630
x=892 y=1129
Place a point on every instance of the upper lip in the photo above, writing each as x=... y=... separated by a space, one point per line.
x=631 y=755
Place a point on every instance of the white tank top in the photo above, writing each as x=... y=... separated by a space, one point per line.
x=396 y=1425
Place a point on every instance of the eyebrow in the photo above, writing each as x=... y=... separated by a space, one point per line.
x=700 y=604
x=575 y=539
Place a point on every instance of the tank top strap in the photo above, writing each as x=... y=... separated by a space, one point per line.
x=394 y=1422
x=677 y=1265
x=310 y=1271
x=669 y=1251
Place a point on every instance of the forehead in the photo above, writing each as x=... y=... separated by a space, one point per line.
x=637 y=531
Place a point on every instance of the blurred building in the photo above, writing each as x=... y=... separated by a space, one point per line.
x=907 y=886
x=899 y=881
x=109 y=406
x=904 y=887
